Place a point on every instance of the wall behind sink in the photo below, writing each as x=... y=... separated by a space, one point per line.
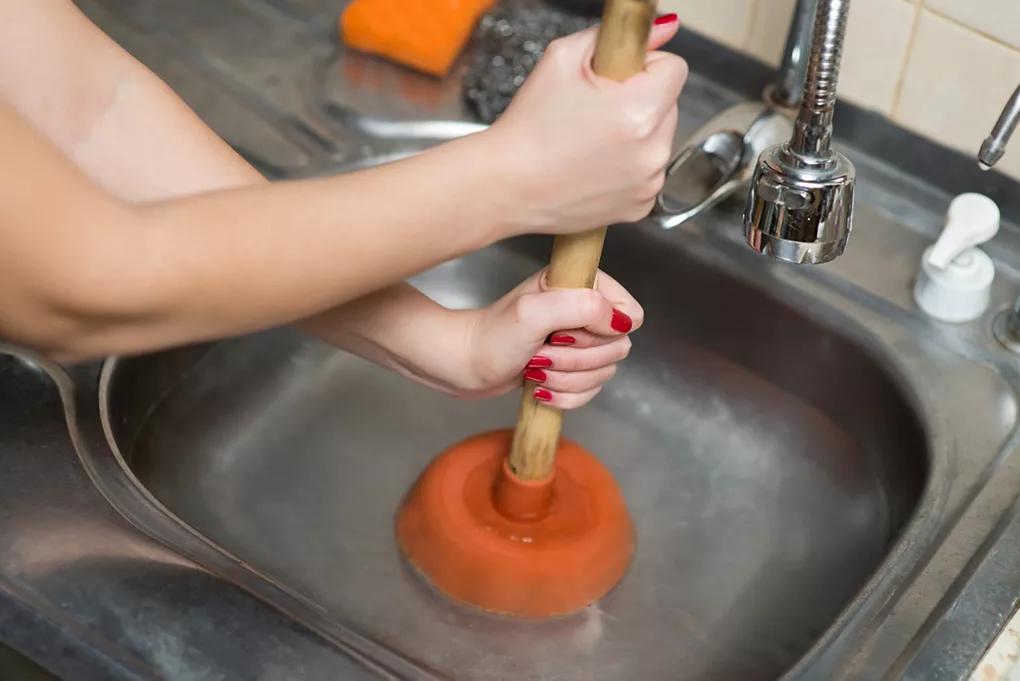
x=942 y=68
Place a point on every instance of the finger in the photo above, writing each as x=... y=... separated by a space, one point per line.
x=659 y=85
x=664 y=28
x=570 y=381
x=585 y=359
x=537 y=315
x=620 y=298
x=565 y=401
x=576 y=48
x=578 y=338
x=661 y=140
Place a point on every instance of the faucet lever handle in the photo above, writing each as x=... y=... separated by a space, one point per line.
x=972 y=220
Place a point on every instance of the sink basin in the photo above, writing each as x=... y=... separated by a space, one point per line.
x=763 y=498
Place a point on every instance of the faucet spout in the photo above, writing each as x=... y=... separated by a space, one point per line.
x=800 y=206
x=994 y=145
x=787 y=91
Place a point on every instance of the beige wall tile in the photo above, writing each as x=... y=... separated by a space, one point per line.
x=877 y=37
x=768 y=29
x=955 y=85
x=997 y=18
x=727 y=21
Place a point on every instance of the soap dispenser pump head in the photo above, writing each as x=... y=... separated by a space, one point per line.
x=972 y=219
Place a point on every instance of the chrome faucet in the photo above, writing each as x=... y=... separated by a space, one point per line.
x=800 y=206
x=786 y=92
x=994 y=145
x=801 y=196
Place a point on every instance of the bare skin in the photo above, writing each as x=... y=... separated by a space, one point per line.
x=119 y=241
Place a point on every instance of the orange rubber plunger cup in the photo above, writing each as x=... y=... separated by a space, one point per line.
x=522 y=522
x=483 y=536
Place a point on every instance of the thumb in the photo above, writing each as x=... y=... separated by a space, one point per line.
x=540 y=314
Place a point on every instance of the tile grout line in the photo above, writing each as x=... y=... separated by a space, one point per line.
x=904 y=65
x=972 y=29
x=752 y=16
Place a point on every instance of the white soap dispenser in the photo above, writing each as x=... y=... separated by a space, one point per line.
x=956 y=277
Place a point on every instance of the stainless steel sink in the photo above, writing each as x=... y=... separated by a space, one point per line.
x=791 y=494
x=763 y=498
x=817 y=472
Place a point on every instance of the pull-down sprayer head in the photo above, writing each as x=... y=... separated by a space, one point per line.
x=800 y=207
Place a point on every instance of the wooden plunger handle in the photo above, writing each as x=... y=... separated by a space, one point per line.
x=619 y=53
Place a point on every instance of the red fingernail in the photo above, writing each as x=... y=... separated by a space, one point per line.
x=539 y=361
x=536 y=375
x=561 y=339
x=621 y=322
x=542 y=395
x=665 y=19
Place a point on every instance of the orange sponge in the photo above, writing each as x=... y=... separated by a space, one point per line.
x=426 y=35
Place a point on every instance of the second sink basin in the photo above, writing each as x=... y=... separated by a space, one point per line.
x=768 y=460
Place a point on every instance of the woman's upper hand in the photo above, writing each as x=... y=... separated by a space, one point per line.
x=583 y=151
x=564 y=343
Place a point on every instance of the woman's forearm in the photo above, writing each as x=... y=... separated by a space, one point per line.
x=403 y=330
x=101 y=112
x=250 y=258
x=123 y=126
x=123 y=278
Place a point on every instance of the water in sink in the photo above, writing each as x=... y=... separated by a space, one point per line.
x=762 y=498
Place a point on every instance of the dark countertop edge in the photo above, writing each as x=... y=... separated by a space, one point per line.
x=72 y=654
x=974 y=612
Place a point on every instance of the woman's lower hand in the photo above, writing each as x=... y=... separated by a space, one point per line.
x=581 y=151
x=563 y=343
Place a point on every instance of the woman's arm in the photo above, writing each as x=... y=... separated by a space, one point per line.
x=105 y=110
x=101 y=106
x=84 y=274
x=141 y=278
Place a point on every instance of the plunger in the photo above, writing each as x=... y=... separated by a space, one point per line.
x=523 y=522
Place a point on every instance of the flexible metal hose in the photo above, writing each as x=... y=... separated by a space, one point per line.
x=813 y=131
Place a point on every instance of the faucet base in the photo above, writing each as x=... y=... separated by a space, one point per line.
x=1006 y=329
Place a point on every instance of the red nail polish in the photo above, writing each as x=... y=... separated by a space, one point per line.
x=561 y=339
x=536 y=375
x=542 y=395
x=621 y=322
x=539 y=361
x=665 y=19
